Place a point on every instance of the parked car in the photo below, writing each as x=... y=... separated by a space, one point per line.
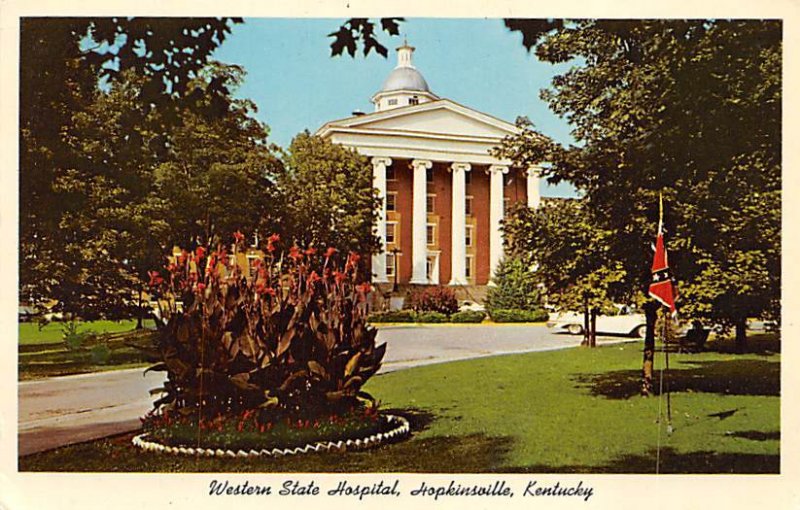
x=623 y=322
x=472 y=306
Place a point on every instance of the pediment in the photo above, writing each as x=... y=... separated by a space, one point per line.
x=437 y=118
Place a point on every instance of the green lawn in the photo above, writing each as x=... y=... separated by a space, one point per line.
x=31 y=334
x=574 y=410
x=39 y=359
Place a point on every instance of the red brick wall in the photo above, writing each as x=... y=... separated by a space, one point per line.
x=479 y=189
x=443 y=209
x=404 y=187
x=517 y=188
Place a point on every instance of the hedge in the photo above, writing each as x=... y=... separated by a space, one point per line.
x=472 y=316
x=518 y=315
x=394 y=316
x=434 y=317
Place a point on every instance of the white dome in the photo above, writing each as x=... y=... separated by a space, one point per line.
x=405 y=78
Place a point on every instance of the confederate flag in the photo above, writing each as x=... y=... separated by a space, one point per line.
x=661 y=288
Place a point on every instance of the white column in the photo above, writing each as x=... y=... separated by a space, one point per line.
x=495 y=216
x=533 y=174
x=459 y=225
x=419 y=223
x=379 y=182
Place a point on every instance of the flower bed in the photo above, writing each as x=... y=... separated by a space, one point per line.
x=383 y=429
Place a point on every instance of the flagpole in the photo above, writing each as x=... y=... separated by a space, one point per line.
x=666 y=366
x=665 y=315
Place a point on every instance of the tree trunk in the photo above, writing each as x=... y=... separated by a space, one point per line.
x=593 y=328
x=139 y=324
x=585 y=324
x=741 y=334
x=650 y=311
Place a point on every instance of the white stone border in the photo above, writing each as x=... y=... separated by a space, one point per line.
x=401 y=429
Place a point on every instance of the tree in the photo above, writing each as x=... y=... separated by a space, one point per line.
x=362 y=30
x=328 y=197
x=218 y=174
x=72 y=78
x=563 y=240
x=687 y=108
x=516 y=286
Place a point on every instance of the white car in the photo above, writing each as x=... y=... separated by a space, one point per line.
x=622 y=323
x=471 y=306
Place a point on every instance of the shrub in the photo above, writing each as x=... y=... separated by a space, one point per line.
x=434 y=317
x=394 y=316
x=73 y=338
x=515 y=287
x=518 y=315
x=289 y=341
x=100 y=354
x=473 y=316
x=433 y=299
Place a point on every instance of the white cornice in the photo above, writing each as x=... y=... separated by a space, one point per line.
x=445 y=104
x=406 y=133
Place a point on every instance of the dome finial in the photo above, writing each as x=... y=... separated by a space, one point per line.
x=404 y=53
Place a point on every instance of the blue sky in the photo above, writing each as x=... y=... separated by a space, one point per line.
x=297 y=85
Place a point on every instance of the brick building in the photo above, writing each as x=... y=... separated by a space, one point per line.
x=444 y=194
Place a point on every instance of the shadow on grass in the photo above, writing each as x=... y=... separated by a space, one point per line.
x=441 y=454
x=730 y=377
x=474 y=453
x=757 y=435
x=703 y=462
x=763 y=345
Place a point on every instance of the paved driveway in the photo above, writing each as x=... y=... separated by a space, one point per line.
x=65 y=410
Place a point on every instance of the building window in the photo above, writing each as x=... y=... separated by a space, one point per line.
x=468 y=206
x=413 y=100
x=392 y=102
x=430 y=203
x=390 y=264
x=431 y=234
x=468 y=235
x=390 y=174
x=429 y=175
x=430 y=263
x=391 y=232
x=468 y=266
x=391 y=201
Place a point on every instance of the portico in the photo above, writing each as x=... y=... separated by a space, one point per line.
x=443 y=192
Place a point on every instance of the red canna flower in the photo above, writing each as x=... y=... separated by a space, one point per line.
x=295 y=254
x=274 y=238
x=364 y=287
x=200 y=252
x=155 y=279
x=313 y=278
x=262 y=288
x=200 y=287
x=238 y=236
x=256 y=263
x=311 y=251
x=339 y=277
x=353 y=258
x=331 y=251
